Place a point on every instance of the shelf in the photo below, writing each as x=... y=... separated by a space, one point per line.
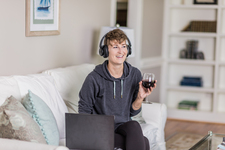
x=190 y=89
x=221 y=90
x=178 y=16
x=195 y=6
x=194 y=34
x=185 y=111
x=204 y=116
x=222 y=63
x=192 y=61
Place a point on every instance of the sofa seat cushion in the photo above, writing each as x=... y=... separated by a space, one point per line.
x=16 y=123
x=43 y=86
x=69 y=81
x=43 y=116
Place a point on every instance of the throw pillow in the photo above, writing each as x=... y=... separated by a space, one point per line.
x=16 y=123
x=43 y=86
x=44 y=117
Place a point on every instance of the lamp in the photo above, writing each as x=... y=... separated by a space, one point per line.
x=128 y=31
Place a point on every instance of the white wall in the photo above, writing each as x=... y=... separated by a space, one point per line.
x=80 y=24
x=152 y=28
x=154 y=96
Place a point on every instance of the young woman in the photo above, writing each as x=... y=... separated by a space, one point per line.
x=115 y=88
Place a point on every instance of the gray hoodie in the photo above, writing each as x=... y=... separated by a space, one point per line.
x=103 y=94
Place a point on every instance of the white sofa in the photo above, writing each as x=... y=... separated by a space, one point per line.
x=59 y=89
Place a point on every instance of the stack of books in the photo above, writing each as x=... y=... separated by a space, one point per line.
x=201 y=26
x=188 y=105
x=191 y=81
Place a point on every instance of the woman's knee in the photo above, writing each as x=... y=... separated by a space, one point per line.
x=134 y=125
x=131 y=128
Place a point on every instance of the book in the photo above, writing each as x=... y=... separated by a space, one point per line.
x=188 y=105
x=201 y=26
x=191 y=81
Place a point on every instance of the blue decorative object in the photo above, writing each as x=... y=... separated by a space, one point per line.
x=44 y=117
x=191 y=81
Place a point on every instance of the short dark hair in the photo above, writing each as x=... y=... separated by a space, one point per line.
x=115 y=34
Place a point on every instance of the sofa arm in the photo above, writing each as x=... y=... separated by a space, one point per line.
x=156 y=115
x=12 y=144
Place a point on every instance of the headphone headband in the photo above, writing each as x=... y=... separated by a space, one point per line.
x=100 y=44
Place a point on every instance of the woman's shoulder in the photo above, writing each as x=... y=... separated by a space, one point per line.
x=93 y=76
x=135 y=71
x=132 y=68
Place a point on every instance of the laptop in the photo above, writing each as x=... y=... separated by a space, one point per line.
x=89 y=132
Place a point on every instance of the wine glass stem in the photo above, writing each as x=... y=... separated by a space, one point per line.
x=146 y=101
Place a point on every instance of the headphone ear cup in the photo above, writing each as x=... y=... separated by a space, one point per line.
x=100 y=51
x=105 y=51
x=129 y=50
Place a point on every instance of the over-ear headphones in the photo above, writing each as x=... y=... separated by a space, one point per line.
x=103 y=49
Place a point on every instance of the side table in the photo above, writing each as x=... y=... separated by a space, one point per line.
x=209 y=142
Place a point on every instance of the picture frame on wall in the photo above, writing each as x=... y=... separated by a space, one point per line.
x=42 y=17
x=205 y=1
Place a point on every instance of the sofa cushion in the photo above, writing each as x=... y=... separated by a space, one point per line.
x=69 y=81
x=8 y=87
x=44 y=117
x=16 y=123
x=43 y=86
x=139 y=118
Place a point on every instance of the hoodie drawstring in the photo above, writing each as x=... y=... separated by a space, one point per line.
x=114 y=89
x=121 y=88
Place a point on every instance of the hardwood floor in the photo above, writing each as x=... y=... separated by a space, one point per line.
x=202 y=128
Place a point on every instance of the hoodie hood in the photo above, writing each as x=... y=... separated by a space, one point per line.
x=103 y=71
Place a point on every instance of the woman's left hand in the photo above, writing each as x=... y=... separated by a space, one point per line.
x=144 y=92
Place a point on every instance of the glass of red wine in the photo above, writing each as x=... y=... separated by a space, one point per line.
x=148 y=80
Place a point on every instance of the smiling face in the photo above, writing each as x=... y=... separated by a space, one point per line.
x=117 y=52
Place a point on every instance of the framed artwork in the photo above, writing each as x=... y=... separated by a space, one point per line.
x=205 y=1
x=42 y=17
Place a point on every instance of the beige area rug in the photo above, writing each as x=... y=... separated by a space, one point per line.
x=182 y=141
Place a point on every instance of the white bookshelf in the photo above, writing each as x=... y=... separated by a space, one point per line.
x=211 y=97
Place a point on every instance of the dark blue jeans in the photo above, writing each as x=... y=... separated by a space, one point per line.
x=129 y=136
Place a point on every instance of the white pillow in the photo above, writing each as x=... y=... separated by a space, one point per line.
x=43 y=86
x=68 y=81
x=8 y=87
x=139 y=118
